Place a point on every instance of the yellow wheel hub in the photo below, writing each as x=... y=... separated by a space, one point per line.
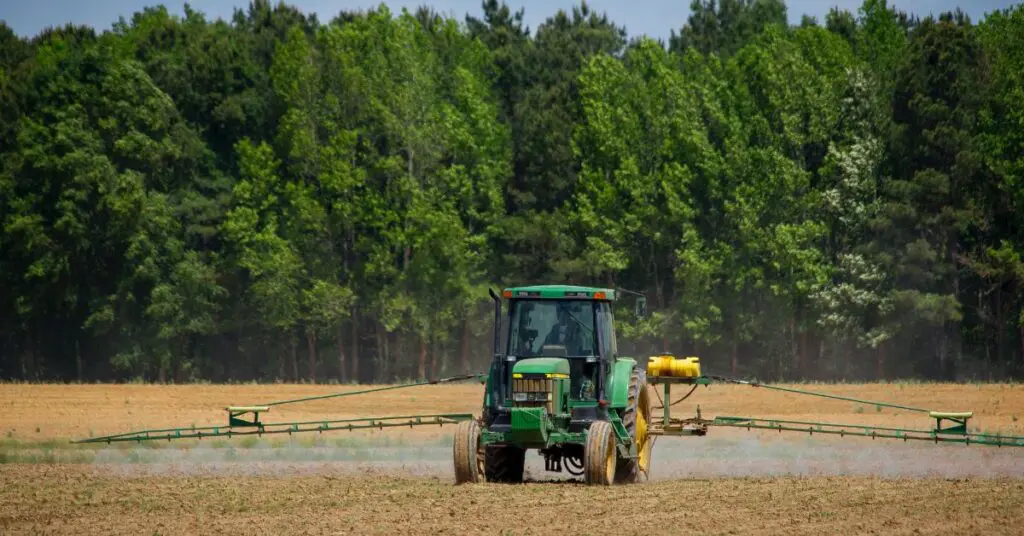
x=642 y=439
x=609 y=461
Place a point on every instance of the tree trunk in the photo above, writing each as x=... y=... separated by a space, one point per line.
x=465 y=347
x=942 y=352
x=408 y=248
x=382 y=344
x=803 y=353
x=734 y=357
x=342 y=373
x=26 y=355
x=294 y=355
x=78 y=360
x=355 y=345
x=311 y=346
x=280 y=361
x=821 y=354
x=660 y=297
x=881 y=361
x=423 y=358
x=434 y=350
x=1000 y=329
x=386 y=355
x=1020 y=337
x=953 y=329
x=795 y=345
x=176 y=359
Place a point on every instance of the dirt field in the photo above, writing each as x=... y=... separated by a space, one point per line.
x=399 y=481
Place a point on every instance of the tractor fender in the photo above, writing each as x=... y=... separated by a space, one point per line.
x=618 y=382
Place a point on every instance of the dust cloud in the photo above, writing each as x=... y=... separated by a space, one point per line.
x=728 y=455
x=770 y=456
x=277 y=458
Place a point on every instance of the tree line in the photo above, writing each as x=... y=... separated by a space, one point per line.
x=273 y=197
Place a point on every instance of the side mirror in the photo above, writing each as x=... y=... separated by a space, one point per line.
x=641 y=307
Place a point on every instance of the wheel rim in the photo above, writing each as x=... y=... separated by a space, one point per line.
x=609 y=459
x=642 y=439
x=480 y=457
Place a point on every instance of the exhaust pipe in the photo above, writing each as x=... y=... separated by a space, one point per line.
x=497 y=323
x=499 y=364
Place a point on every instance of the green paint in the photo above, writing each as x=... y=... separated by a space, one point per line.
x=556 y=437
x=326 y=425
x=811 y=427
x=542 y=365
x=560 y=291
x=618 y=382
x=530 y=426
x=957 y=432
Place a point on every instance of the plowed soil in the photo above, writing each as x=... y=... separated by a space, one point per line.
x=399 y=481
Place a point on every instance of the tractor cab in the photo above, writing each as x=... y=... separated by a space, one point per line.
x=570 y=323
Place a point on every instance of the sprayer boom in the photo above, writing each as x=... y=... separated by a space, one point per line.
x=240 y=423
x=666 y=371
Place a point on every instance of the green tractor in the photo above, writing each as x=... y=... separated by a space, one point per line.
x=558 y=384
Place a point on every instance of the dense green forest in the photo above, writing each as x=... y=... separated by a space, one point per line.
x=276 y=197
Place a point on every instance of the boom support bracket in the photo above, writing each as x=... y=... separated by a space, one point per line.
x=235 y=412
x=959 y=421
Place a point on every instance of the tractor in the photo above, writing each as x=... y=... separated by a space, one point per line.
x=557 y=384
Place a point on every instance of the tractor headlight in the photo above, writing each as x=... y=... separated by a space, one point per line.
x=533 y=390
x=531 y=397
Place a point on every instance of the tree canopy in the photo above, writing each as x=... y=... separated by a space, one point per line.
x=273 y=197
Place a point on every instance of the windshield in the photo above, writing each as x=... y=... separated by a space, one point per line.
x=552 y=328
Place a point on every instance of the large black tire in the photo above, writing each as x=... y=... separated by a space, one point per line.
x=599 y=455
x=468 y=453
x=504 y=464
x=635 y=418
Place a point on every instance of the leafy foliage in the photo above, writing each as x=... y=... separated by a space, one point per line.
x=185 y=199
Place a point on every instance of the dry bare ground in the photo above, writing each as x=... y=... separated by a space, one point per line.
x=399 y=481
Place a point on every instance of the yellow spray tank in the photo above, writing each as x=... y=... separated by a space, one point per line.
x=677 y=367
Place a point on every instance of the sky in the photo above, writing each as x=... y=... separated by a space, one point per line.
x=655 y=18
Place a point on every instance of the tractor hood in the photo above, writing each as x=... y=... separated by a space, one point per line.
x=542 y=365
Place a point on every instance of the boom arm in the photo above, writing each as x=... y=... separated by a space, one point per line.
x=956 y=432
x=239 y=426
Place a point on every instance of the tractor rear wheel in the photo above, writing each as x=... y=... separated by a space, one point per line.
x=635 y=418
x=468 y=453
x=504 y=463
x=599 y=454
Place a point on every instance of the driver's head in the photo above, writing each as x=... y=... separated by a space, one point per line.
x=566 y=310
x=563 y=312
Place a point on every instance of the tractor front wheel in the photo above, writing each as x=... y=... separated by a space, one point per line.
x=599 y=458
x=468 y=453
x=505 y=463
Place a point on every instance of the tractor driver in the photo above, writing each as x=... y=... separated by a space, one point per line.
x=568 y=332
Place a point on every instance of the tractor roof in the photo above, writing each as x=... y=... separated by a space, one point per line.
x=560 y=291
